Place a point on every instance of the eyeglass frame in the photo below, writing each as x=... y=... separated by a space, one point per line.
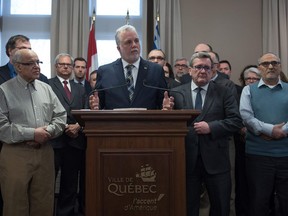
x=181 y=65
x=201 y=67
x=35 y=63
x=65 y=64
x=266 y=64
x=252 y=78
x=156 y=57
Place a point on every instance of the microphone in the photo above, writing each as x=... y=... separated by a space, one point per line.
x=166 y=89
x=109 y=88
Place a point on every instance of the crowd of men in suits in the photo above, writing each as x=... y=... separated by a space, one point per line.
x=125 y=83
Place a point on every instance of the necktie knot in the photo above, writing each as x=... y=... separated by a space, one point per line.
x=66 y=89
x=199 y=89
x=129 y=67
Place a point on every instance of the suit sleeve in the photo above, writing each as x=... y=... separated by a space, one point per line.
x=231 y=121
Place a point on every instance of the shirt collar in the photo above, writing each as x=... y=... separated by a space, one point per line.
x=261 y=83
x=194 y=86
x=136 y=64
x=213 y=78
x=83 y=81
x=24 y=83
x=61 y=79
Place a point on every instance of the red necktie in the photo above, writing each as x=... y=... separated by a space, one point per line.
x=66 y=89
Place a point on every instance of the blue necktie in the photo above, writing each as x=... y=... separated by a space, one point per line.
x=129 y=79
x=198 y=101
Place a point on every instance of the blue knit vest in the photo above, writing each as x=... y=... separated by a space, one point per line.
x=269 y=106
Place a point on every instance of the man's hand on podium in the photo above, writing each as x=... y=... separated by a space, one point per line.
x=168 y=102
x=94 y=101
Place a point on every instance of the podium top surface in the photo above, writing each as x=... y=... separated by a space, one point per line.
x=91 y=115
x=135 y=123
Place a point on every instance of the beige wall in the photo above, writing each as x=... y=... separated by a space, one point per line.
x=231 y=27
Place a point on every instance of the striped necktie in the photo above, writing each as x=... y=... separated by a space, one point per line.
x=130 y=82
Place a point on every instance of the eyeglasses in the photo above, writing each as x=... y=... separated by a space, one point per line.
x=31 y=64
x=156 y=57
x=251 y=79
x=181 y=65
x=267 y=64
x=23 y=47
x=202 y=67
x=64 y=64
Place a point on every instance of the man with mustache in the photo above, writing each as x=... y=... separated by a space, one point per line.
x=263 y=107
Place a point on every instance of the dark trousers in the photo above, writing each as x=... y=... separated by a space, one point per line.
x=68 y=160
x=1 y=199
x=81 y=197
x=218 y=188
x=266 y=175
x=241 y=185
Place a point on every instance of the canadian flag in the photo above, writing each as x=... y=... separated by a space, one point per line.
x=92 y=58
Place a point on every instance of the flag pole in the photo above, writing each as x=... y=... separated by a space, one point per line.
x=127 y=18
x=93 y=16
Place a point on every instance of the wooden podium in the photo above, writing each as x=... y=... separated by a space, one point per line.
x=135 y=161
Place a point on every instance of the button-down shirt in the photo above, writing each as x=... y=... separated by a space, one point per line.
x=252 y=123
x=26 y=106
x=194 y=92
x=134 y=70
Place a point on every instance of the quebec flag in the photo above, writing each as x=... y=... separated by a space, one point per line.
x=156 y=43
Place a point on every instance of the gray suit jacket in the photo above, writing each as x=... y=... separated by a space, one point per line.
x=221 y=112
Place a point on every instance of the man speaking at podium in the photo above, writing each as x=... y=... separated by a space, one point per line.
x=120 y=84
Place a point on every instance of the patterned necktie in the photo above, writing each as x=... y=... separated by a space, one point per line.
x=129 y=79
x=198 y=101
x=66 y=89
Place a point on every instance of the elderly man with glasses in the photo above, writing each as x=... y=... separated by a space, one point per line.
x=263 y=107
x=207 y=142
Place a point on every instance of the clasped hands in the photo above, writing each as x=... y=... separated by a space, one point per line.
x=41 y=135
x=277 y=133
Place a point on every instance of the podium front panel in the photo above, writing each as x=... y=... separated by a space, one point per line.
x=135 y=162
x=143 y=189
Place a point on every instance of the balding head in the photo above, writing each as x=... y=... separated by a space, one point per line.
x=26 y=64
x=202 y=47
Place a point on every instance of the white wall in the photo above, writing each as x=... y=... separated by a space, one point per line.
x=231 y=27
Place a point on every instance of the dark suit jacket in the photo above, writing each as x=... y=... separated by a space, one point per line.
x=172 y=83
x=222 y=80
x=87 y=87
x=220 y=111
x=112 y=75
x=5 y=75
x=78 y=99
